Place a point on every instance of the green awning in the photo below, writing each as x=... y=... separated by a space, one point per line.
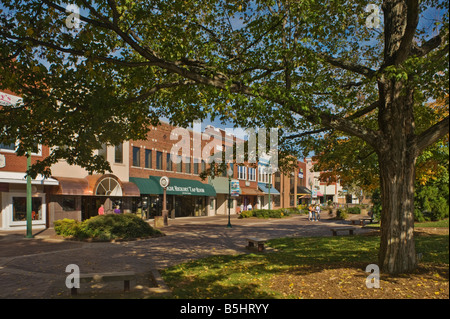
x=146 y=185
x=178 y=186
x=220 y=184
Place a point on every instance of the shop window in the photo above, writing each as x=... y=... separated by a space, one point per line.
x=148 y=158
x=68 y=204
x=20 y=209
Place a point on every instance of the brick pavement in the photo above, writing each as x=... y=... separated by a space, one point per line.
x=35 y=268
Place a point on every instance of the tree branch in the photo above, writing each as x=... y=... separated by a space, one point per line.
x=412 y=19
x=307 y=133
x=364 y=111
x=429 y=45
x=431 y=135
x=347 y=65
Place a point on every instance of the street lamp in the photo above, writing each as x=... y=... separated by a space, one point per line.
x=230 y=173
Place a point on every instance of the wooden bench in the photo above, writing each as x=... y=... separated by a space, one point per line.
x=336 y=230
x=126 y=276
x=256 y=243
x=362 y=220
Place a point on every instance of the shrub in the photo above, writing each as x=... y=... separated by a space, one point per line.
x=106 y=227
x=67 y=227
x=269 y=213
x=341 y=213
x=354 y=210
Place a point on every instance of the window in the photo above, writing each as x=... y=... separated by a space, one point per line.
x=20 y=208
x=159 y=160
x=68 y=203
x=242 y=172
x=263 y=176
x=252 y=174
x=136 y=156
x=148 y=158
x=168 y=162
x=203 y=166
x=108 y=187
x=8 y=147
x=103 y=152
x=187 y=163
x=196 y=162
x=118 y=153
x=179 y=164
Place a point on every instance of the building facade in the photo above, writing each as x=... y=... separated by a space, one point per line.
x=133 y=186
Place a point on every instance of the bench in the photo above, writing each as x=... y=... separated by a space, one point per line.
x=256 y=243
x=362 y=220
x=336 y=230
x=126 y=276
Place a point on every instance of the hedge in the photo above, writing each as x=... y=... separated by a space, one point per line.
x=106 y=227
x=269 y=213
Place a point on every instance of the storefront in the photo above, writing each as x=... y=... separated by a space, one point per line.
x=272 y=197
x=80 y=198
x=13 y=200
x=222 y=188
x=249 y=198
x=184 y=197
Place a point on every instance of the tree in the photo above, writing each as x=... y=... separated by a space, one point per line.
x=306 y=67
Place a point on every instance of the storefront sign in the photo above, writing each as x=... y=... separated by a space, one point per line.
x=186 y=190
x=164 y=181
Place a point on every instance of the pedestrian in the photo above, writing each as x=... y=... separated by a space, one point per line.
x=317 y=212
x=249 y=207
x=311 y=212
x=101 y=210
x=117 y=210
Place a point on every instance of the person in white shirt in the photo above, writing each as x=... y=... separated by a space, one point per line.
x=317 y=212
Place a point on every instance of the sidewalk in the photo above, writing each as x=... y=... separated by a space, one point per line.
x=35 y=268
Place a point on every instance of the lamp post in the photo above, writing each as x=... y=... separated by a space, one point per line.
x=164 y=182
x=29 y=202
x=230 y=173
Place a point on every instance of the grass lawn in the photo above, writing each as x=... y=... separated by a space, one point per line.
x=313 y=267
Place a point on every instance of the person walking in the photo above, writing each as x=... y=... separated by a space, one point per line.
x=317 y=212
x=311 y=212
x=101 y=210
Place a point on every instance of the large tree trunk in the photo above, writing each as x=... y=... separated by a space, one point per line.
x=397 y=157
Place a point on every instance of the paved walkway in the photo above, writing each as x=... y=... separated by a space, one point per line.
x=35 y=268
